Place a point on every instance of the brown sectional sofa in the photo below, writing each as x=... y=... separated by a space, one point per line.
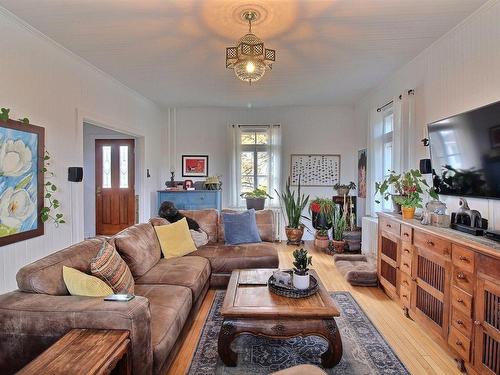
x=168 y=292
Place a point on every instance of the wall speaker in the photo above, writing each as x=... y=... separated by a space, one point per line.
x=425 y=166
x=75 y=174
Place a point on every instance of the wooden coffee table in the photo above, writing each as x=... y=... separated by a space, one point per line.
x=84 y=352
x=249 y=307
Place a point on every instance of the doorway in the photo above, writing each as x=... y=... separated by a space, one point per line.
x=114 y=189
x=115 y=208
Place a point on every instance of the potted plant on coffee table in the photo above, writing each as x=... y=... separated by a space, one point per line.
x=339 y=226
x=292 y=205
x=397 y=186
x=300 y=270
x=256 y=198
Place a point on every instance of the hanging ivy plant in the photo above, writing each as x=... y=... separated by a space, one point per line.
x=51 y=210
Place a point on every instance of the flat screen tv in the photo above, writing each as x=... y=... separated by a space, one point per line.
x=465 y=153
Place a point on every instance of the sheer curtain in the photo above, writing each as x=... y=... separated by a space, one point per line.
x=274 y=150
x=403 y=144
x=404 y=132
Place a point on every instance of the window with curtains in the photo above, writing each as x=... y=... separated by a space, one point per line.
x=256 y=161
x=387 y=148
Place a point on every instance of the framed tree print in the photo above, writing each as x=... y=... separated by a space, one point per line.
x=194 y=165
x=21 y=181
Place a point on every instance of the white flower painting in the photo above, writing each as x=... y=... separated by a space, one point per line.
x=18 y=181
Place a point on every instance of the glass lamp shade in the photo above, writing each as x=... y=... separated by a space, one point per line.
x=249 y=70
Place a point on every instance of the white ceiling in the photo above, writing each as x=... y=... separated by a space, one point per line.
x=328 y=52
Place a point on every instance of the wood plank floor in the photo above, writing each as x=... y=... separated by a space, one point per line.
x=418 y=350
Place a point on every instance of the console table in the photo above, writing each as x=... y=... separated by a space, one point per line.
x=449 y=283
x=192 y=199
x=84 y=351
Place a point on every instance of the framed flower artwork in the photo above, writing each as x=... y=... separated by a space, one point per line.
x=21 y=181
x=194 y=165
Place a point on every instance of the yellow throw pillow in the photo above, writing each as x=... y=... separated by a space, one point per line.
x=175 y=239
x=81 y=284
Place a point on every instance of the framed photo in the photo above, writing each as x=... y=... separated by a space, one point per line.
x=314 y=169
x=194 y=165
x=362 y=173
x=495 y=136
x=22 y=148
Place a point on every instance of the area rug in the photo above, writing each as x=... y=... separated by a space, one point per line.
x=365 y=350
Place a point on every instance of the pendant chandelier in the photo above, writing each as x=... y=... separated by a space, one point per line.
x=249 y=59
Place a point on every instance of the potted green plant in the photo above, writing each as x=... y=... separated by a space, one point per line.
x=256 y=198
x=344 y=189
x=404 y=189
x=292 y=205
x=321 y=239
x=300 y=270
x=339 y=226
x=320 y=209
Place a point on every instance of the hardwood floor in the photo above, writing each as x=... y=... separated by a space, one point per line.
x=418 y=350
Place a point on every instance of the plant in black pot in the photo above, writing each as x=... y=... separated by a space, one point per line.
x=300 y=270
x=321 y=210
x=256 y=199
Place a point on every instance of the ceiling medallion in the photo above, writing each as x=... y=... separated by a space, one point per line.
x=249 y=59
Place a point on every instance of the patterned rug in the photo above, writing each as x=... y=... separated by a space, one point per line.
x=365 y=350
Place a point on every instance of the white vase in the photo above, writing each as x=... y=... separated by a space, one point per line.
x=301 y=281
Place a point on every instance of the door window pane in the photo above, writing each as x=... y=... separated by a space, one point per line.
x=247 y=163
x=106 y=167
x=123 y=167
x=261 y=138
x=262 y=163
x=246 y=183
x=248 y=138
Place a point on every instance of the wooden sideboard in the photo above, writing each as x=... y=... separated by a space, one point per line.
x=449 y=283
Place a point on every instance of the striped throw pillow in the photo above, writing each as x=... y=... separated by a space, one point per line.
x=108 y=266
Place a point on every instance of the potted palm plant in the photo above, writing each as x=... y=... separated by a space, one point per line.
x=256 y=198
x=405 y=190
x=300 y=270
x=292 y=206
x=339 y=226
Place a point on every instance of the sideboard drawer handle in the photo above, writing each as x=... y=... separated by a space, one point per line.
x=406 y=282
x=405 y=296
x=459 y=343
x=463 y=258
x=430 y=243
x=407 y=251
x=406 y=265
x=388 y=225
x=406 y=234
x=459 y=322
x=460 y=300
x=460 y=276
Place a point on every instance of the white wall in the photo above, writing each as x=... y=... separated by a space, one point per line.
x=328 y=130
x=457 y=73
x=57 y=90
x=90 y=134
